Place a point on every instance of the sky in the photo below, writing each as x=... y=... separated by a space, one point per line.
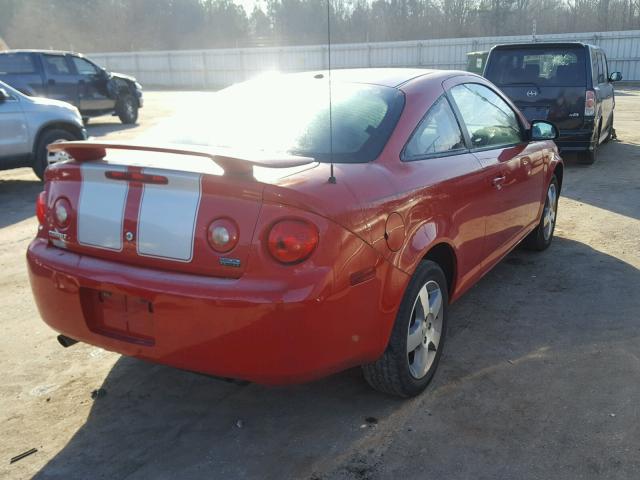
x=249 y=4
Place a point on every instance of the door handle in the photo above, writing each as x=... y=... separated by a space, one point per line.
x=498 y=182
x=51 y=81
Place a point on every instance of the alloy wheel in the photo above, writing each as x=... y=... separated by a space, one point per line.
x=425 y=329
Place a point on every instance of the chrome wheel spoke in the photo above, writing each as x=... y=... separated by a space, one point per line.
x=425 y=329
x=415 y=338
x=435 y=302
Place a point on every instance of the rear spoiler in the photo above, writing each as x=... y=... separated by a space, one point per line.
x=240 y=165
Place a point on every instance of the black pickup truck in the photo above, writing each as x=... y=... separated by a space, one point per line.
x=72 y=78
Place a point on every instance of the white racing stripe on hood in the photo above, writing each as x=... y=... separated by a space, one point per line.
x=101 y=207
x=168 y=214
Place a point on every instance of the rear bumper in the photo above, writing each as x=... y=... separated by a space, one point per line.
x=271 y=331
x=575 y=140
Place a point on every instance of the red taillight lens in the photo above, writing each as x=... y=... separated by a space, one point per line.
x=62 y=212
x=292 y=241
x=223 y=235
x=41 y=207
x=590 y=103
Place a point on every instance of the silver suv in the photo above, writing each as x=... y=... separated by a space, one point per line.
x=29 y=124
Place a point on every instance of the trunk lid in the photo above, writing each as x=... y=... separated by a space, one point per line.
x=564 y=106
x=151 y=207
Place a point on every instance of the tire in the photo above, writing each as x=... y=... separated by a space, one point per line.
x=405 y=373
x=127 y=109
x=589 y=157
x=611 y=133
x=540 y=238
x=42 y=158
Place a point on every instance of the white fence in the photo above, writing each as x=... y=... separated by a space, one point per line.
x=221 y=67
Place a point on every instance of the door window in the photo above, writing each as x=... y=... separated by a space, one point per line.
x=438 y=133
x=84 y=67
x=56 y=65
x=488 y=118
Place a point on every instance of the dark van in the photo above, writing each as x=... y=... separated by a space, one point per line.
x=565 y=83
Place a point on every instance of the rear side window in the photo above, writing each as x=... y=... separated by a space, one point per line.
x=16 y=63
x=537 y=66
x=602 y=68
x=438 y=133
x=56 y=65
x=489 y=119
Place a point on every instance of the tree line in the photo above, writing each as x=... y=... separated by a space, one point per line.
x=134 y=25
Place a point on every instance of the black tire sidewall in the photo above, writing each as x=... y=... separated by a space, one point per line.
x=426 y=271
x=40 y=162
x=121 y=111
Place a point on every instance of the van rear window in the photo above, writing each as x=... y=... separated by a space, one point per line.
x=539 y=66
x=16 y=63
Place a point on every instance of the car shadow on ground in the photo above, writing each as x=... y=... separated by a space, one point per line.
x=618 y=163
x=515 y=353
x=97 y=128
x=18 y=199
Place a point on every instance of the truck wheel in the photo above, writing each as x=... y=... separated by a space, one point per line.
x=127 y=109
x=42 y=158
x=412 y=355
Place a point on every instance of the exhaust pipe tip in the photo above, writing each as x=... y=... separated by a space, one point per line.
x=66 y=341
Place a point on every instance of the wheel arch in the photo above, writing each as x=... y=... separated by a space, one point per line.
x=558 y=171
x=69 y=127
x=444 y=255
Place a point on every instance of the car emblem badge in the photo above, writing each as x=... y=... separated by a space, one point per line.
x=230 y=262
x=532 y=93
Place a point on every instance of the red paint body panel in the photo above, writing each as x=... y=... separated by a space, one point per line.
x=274 y=323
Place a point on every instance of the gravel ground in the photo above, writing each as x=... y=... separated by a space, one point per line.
x=540 y=376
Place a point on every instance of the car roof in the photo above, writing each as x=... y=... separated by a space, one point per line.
x=56 y=52
x=543 y=45
x=386 y=77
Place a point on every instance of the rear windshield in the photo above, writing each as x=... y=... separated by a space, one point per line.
x=291 y=115
x=16 y=63
x=539 y=66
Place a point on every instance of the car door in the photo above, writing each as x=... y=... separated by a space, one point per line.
x=92 y=86
x=513 y=172
x=14 y=134
x=606 y=90
x=60 y=81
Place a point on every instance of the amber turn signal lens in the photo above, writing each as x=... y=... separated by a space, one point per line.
x=41 y=207
x=292 y=241
x=223 y=235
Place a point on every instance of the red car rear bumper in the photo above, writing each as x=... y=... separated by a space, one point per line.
x=272 y=331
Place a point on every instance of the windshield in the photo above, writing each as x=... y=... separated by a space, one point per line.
x=537 y=66
x=291 y=115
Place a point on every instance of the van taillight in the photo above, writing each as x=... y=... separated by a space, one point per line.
x=590 y=103
x=41 y=207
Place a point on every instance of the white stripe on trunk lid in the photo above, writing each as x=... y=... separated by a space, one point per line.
x=101 y=208
x=167 y=216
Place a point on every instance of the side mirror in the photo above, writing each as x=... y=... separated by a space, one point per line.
x=615 y=77
x=3 y=95
x=541 y=130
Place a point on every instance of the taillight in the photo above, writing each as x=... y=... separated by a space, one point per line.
x=222 y=235
x=292 y=241
x=62 y=212
x=41 y=207
x=590 y=103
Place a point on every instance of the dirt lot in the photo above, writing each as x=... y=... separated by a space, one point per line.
x=540 y=377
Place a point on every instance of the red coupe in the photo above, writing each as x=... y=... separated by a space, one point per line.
x=275 y=236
